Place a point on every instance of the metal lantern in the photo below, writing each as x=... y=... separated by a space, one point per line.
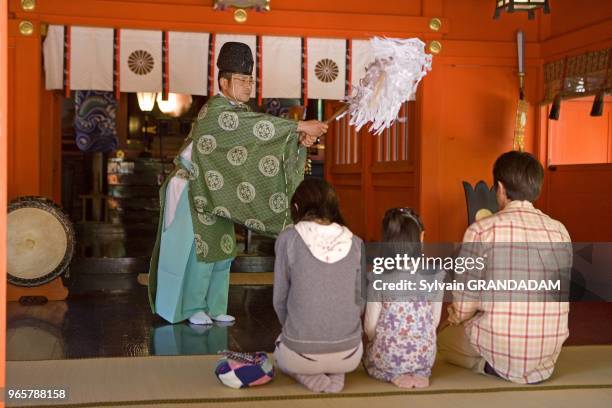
x=521 y=5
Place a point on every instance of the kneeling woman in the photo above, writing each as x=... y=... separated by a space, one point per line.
x=316 y=280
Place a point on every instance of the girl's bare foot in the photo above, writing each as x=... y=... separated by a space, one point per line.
x=411 y=381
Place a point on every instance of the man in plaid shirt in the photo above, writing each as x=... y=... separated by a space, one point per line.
x=515 y=340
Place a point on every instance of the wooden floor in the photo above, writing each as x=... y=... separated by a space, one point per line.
x=122 y=325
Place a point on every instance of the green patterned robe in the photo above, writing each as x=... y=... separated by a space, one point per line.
x=245 y=167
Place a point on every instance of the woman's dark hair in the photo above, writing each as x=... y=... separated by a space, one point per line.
x=315 y=199
x=520 y=173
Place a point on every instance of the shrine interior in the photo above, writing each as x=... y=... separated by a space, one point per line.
x=99 y=99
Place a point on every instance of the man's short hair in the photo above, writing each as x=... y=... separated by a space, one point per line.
x=224 y=74
x=520 y=173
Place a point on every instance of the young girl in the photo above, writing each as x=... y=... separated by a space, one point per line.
x=316 y=276
x=402 y=334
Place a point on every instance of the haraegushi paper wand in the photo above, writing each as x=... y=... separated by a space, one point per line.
x=392 y=79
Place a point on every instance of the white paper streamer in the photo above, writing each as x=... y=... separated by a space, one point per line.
x=390 y=80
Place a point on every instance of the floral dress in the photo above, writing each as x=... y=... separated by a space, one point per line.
x=405 y=341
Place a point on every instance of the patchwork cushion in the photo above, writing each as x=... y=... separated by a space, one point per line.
x=241 y=370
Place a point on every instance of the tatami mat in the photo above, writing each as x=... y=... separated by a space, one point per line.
x=583 y=377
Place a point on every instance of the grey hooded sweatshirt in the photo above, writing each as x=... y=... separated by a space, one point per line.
x=317 y=280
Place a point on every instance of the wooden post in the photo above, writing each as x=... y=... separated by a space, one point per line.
x=3 y=182
x=98 y=172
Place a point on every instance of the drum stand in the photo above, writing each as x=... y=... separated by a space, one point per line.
x=54 y=290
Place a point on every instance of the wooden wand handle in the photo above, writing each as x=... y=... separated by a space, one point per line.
x=337 y=113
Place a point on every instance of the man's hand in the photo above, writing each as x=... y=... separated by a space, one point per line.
x=312 y=128
x=453 y=317
x=307 y=140
x=465 y=311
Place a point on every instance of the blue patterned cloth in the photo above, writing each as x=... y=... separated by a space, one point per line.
x=94 y=121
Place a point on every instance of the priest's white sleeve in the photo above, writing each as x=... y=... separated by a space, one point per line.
x=174 y=190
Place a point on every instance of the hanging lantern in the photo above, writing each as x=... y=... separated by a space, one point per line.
x=521 y=5
x=176 y=105
x=146 y=101
x=168 y=105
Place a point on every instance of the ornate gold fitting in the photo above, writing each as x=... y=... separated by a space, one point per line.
x=28 y=5
x=240 y=15
x=26 y=28
x=435 y=24
x=435 y=47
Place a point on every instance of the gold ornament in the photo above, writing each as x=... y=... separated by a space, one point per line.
x=240 y=15
x=435 y=24
x=28 y=5
x=519 y=126
x=258 y=5
x=26 y=28
x=435 y=47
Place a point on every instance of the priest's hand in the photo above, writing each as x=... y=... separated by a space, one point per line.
x=307 y=140
x=312 y=127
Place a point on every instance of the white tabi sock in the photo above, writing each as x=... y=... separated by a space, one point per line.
x=224 y=318
x=200 y=318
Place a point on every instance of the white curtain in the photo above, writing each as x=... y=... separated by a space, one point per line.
x=361 y=58
x=91 y=58
x=188 y=59
x=326 y=68
x=92 y=55
x=282 y=67
x=140 y=61
x=53 y=54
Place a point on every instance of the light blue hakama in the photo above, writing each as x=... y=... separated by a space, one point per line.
x=184 y=285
